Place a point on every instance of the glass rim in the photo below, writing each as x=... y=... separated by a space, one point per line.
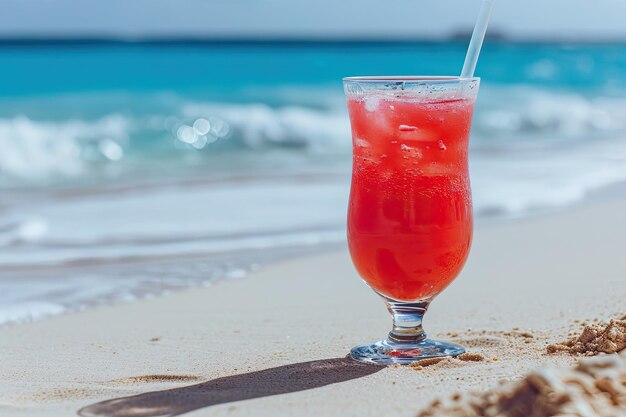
x=430 y=79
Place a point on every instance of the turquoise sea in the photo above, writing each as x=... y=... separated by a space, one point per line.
x=130 y=169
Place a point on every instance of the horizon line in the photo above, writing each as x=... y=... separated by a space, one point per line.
x=179 y=40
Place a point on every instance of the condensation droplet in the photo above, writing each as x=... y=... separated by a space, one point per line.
x=407 y=128
x=361 y=143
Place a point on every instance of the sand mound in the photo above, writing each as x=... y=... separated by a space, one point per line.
x=596 y=338
x=446 y=362
x=596 y=387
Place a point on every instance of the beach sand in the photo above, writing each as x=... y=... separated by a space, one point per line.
x=274 y=343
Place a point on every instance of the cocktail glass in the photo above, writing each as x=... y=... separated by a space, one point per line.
x=410 y=209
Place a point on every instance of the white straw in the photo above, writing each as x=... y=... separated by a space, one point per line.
x=478 y=36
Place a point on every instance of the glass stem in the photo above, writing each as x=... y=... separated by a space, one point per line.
x=407 y=321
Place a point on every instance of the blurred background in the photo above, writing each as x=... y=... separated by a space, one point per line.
x=149 y=145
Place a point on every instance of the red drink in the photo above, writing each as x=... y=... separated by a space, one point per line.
x=410 y=212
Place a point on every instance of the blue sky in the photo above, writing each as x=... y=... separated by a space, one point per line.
x=318 y=18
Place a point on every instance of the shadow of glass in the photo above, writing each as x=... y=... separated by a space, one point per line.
x=273 y=381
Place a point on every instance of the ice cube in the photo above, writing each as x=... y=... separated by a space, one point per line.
x=371 y=103
x=414 y=152
x=413 y=133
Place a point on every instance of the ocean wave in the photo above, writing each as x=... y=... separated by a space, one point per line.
x=259 y=125
x=514 y=113
x=46 y=150
x=531 y=147
x=34 y=149
x=504 y=114
x=175 y=220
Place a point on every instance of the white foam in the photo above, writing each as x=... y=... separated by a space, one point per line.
x=29 y=229
x=36 y=149
x=28 y=311
x=171 y=221
x=258 y=125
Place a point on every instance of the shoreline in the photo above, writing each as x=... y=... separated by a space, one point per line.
x=294 y=321
x=248 y=261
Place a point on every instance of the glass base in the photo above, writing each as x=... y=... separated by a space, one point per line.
x=387 y=352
